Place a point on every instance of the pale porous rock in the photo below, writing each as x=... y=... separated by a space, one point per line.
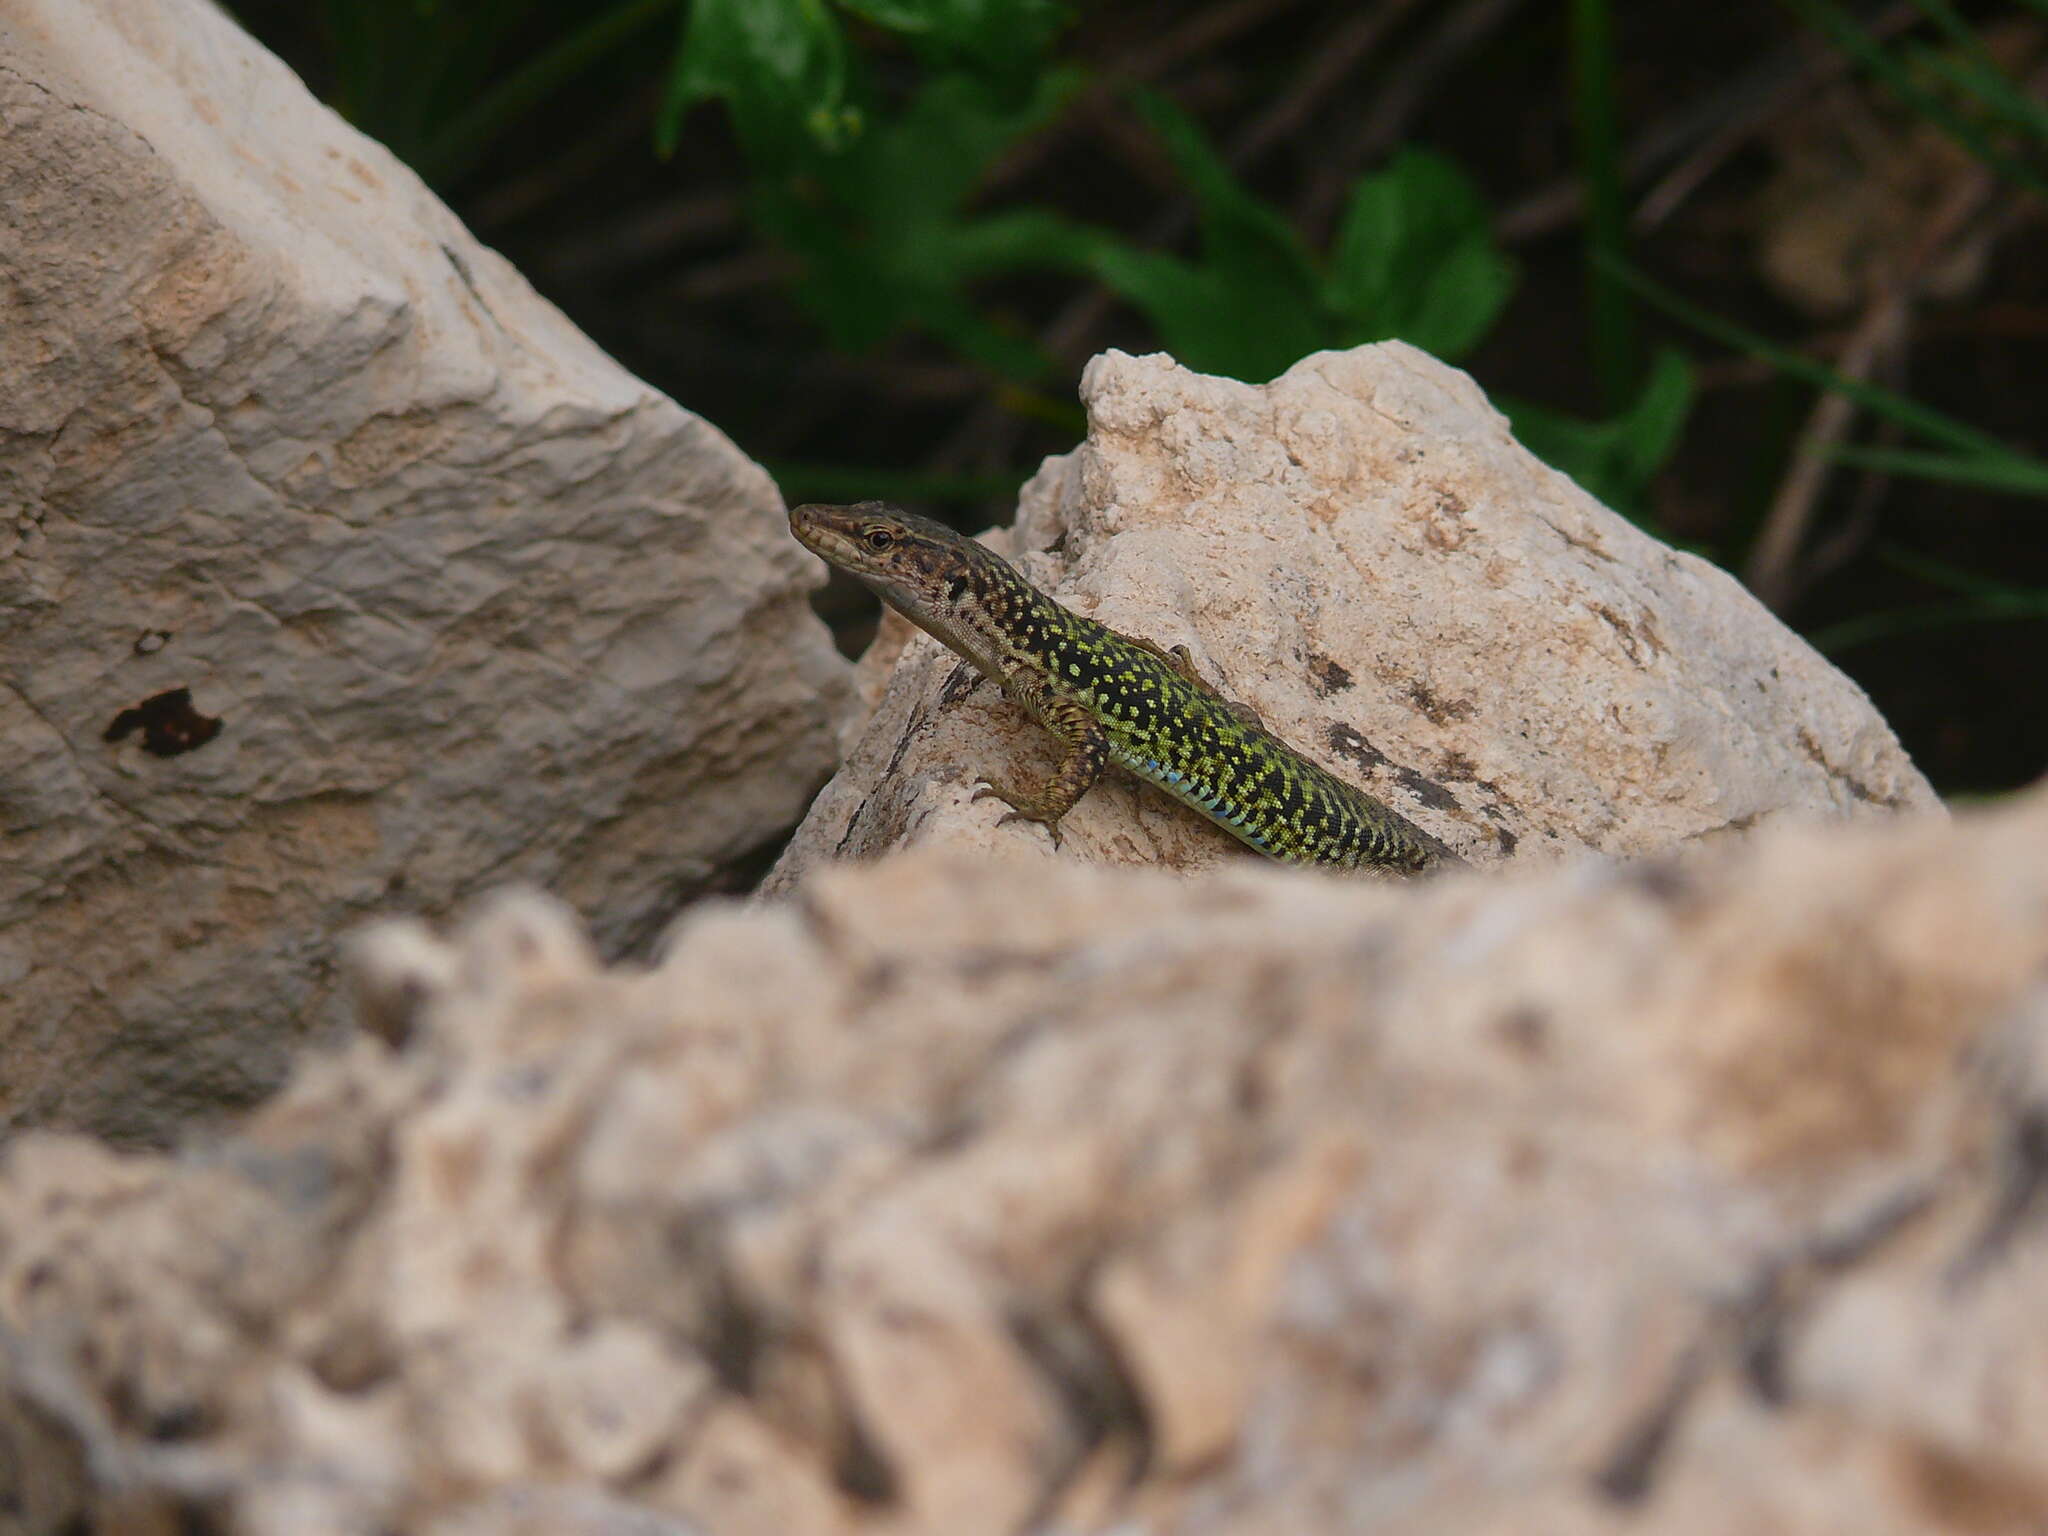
x=957 y=1196
x=466 y=600
x=1361 y=551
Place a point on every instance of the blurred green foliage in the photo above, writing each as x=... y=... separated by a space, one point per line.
x=869 y=130
x=1414 y=258
x=874 y=192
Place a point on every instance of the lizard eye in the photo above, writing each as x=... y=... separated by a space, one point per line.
x=879 y=539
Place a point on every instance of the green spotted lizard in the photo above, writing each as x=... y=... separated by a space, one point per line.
x=1111 y=698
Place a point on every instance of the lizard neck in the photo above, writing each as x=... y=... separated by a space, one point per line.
x=988 y=614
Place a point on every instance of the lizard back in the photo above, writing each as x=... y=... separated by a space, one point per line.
x=1188 y=741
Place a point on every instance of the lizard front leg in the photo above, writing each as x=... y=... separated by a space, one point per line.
x=1087 y=754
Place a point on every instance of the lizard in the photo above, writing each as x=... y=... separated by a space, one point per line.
x=1111 y=698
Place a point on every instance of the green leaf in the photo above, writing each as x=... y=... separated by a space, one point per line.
x=1954 y=578
x=781 y=66
x=1415 y=258
x=999 y=349
x=2021 y=476
x=1249 y=307
x=1898 y=409
x=923 y=166
x=1023 y=238
x=1241 y=237
x=1984 y=601
x=995 y=37
x=1991 y=91
x=882 y=238
x=1614 y=459
x=1850 y=633
x=1842 y=30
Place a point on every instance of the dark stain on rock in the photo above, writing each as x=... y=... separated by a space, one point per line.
x=1637 y=641
x=1438 y=711
x=1349 y=744
x=1810 y=744
x=168 y=722
x=1525 y=1030
x=960 y=682
x=1664 y=881
x=1460 y=769
x=1577 y=541
x=1327 y=675
x=1630 y=1469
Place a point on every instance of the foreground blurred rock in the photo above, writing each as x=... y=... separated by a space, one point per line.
x=338 y=572
x=961 y=1196
x=1360 y=550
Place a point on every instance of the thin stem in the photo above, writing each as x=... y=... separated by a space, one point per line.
x=1930 y=424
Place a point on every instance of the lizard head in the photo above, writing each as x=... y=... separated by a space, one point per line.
x=918 y=566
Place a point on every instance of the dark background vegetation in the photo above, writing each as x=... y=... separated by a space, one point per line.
x=1770 y=276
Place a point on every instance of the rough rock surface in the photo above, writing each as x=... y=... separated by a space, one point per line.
x=1360 y=550
x=386 y=580
x=961 y=1196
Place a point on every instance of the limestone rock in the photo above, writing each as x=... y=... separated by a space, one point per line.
x=1361 y=551
x=338 y=574
x=958 y=1195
